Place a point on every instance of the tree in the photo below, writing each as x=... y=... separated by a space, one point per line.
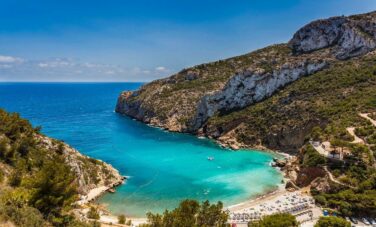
x=190 y=213
x=211 y=215
x=121 y=219
x=332 y=222
x=53 y=188
x=312 y=158
x=276 y=220
x=93 y=213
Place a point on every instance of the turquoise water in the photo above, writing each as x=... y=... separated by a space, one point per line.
x=164 y=167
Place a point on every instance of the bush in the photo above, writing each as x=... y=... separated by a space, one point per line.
x=332 y=222
x=276 y=220
x=320 y=200
x=190 y=213
x=121 y=219
x=93 y=213
x=15 y=179
x=25 y=216
x=312 y=158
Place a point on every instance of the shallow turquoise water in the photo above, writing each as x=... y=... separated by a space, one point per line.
x=164 y=167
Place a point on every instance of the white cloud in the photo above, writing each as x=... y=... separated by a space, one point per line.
x=161 y=69
x=54 y=63
x=66 y=69
x=110 y=72
x=5 y=66
x=9 y=59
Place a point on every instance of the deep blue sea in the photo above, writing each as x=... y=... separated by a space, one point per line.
x=164 y=167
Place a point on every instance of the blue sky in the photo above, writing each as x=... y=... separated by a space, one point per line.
x=140 y=40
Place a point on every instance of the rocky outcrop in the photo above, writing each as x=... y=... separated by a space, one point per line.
x=133 y=109
x=346 y=36
x=251 y=86
x=216 y=99
x=90 y=173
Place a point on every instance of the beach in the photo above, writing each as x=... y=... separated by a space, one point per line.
x=298 y=203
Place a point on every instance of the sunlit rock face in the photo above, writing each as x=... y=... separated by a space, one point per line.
x=346 y=36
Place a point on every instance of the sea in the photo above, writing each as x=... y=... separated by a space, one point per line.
x=164 y=168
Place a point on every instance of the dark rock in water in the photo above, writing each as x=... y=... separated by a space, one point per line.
x=279 y=162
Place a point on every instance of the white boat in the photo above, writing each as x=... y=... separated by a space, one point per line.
x=210 y=158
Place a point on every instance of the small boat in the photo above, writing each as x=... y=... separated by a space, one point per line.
x=210 y=158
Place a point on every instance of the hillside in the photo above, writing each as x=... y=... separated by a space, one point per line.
x=41 y=179
x=272 y=97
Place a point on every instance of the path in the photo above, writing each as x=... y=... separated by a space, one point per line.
x=365 y=115
x=320 y=149
x=335 y=180
x=351 y=130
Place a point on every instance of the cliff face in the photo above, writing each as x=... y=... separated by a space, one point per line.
x=191 y=100
x=90 y=173
x=250 y=87
x=347 y=36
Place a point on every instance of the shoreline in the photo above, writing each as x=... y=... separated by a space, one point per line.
x=109 y=218
x=259 y=198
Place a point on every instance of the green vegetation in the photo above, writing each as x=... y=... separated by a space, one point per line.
x=93 y=213
x=38 y=188
x=276 y=220
x=181 y=92
x=190 y=214
x=351 y=202
x=332 y=222
x=328 y=101
x=311 y=158
x=121 y=219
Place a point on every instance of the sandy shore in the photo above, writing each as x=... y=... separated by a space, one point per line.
x=260 y=199
x=298 y=203
x=93 y=194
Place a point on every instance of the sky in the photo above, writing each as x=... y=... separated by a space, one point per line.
x=143 y=40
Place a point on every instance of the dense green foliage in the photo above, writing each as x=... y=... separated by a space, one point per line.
x=357 y=170
x=93 y=213
x=190 y=214
x=276 y=220
x=311 y=158
x=40 y=187
x=121 y=219
x=332 y=222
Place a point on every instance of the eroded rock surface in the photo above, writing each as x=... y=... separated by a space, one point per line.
x=346 y=36
x=204 y=99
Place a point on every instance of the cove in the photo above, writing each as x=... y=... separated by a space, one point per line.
x=163 y=168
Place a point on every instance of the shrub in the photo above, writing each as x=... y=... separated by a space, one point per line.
x=332 y=222
x=312 y=158
x=276 y=220
x=93 y=213
x=121 y=219
x=190 y=213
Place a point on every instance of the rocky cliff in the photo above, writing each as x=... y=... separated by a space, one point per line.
x=90 y=173
x=205 y=99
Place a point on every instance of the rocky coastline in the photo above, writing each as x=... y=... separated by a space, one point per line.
x=190 y=99
x=94 y=177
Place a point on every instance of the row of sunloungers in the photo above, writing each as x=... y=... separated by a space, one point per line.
x=245 y=217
